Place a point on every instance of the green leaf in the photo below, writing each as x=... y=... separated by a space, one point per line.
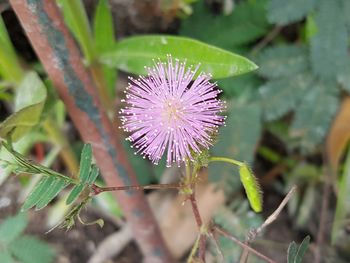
x=85 y=163
x=6 y=257
x=343 y=200
x=103 y=27
x=12 y=227
x=314 y=114
x=77 y=21
x=285 y=12
x=344 y=77
x=302 y=249
x=29 y=102
x=237 y=140
x=37 y=193
x=104 y=40
x=283 y=61
x=245 y=24
x=28 y=249
x=10 y=68
x=51 y=192
x=280 y=96
x=292 y=252
x=94 y=172
x=329 y=46
x=238 y=86
x=74 y=193
x=135 y=53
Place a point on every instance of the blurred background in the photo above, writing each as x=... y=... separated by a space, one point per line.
x=290 y=120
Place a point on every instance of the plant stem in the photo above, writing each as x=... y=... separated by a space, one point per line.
x=62 y=60
x=97 y=190
x=223 y=232
x=226 y=160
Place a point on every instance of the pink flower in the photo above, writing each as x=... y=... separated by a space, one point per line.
x=166 y=111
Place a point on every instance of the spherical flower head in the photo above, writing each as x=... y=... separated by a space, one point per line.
x=170 y=111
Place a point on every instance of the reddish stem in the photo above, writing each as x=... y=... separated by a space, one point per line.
x=61 y=58
x=203 y=237
x=97 y=190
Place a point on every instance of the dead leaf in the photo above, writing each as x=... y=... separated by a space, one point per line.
x=339 y=134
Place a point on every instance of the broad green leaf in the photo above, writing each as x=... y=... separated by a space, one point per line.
x=343 y=199
x=6 y=257
x=37 y=192
x=10 y=68
x=29 y=249
x=284 y=12
x=77 y=21
x=135 y=53
x=314 y=114
x=29 y=102
x=280 y=96
x=74 y=193
x=245 y=24
x=329 y=46
x=103 y=27
x=51 y=193
x=12 y=227
x=292 y=252
x=104 y=40
x=302 y=249
x=94 y=172
x=85 y=163
x=283 y=61
x=237 y=140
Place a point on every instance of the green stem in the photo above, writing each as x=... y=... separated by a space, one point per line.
x=226 y=160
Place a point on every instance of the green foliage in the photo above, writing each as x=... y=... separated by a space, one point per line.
x=12 y=227
x=104 y=40
x=16 y=247
x=88 y=173
x=284 y=12
x=239 y=220
x=9 y=66
x=282 y=61
x=29 y=102
x=312 y=119
x=135 y=54
x=85 y=162
x=329 y=46
x=343 y=200
x=273 y=95
x=246 y=23
x=295 y=253
x=77 y=21
x=237 y=140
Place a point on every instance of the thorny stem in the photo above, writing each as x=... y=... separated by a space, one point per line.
x=223 y=232
x=97 y=190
